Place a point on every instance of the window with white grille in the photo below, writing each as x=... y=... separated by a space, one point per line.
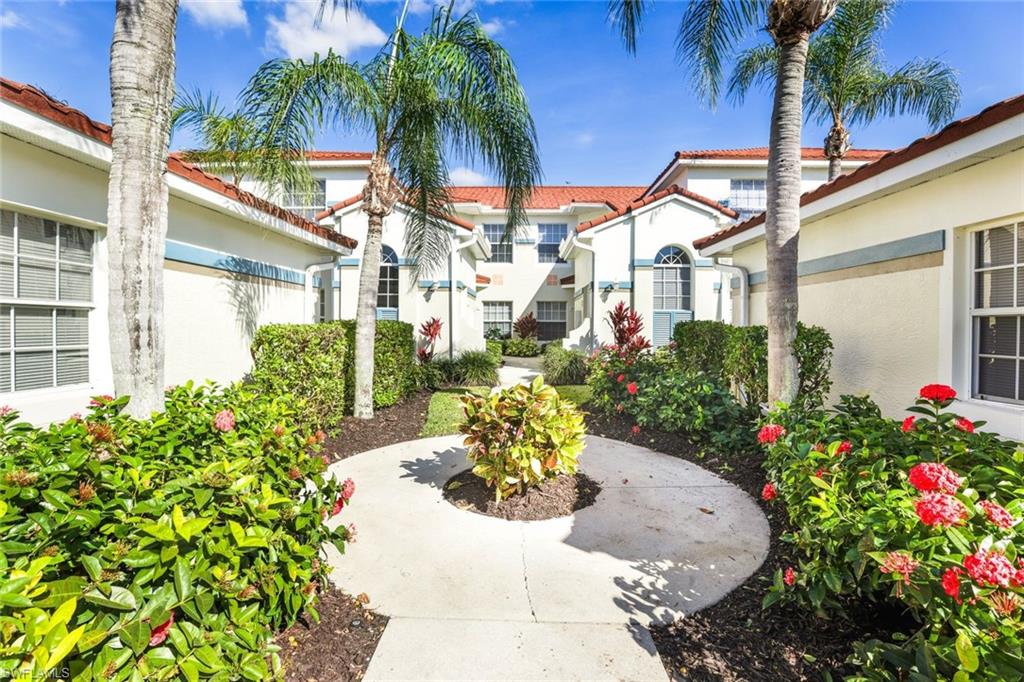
x=551 y=236
x=997 y=313
x=45 y=299
x=498 y=315
x=306 y=201
x=501 y=245
x=748 y=196
x=551 y=319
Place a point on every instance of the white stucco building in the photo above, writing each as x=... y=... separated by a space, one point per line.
x=234 y=262
x=914 y=265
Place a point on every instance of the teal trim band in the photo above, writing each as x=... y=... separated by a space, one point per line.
x=525 y=241
x=625 y=285
x=704 y=263
x=620 y=285
x=406 y=262
x=441 y=283
x=918 y=245
x=643 y=263
x=195 y=255
x=471 y=292
x=349 y=262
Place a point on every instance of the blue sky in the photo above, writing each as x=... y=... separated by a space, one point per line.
x=603 y=117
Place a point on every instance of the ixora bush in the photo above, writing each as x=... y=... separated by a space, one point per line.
x=169 y=548
x=925 y=511
x=315 y=362
x=520 y=436
x=563 y=366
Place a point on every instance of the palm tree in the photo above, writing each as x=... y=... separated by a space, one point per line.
x=847 y=81
x=141 y=90
x=450 y=90
x=707 y=39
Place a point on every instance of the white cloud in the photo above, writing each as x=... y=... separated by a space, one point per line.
x=584 y=139
x=296 y=35
x=10 y=20
x=217 y=13
x=466 y=176
x=426 y=6
x=493 y=27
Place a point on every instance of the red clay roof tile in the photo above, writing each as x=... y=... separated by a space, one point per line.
x=550 y=196
x=355 y=199
x=38 y=102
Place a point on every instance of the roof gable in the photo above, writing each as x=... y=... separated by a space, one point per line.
x=635 y=206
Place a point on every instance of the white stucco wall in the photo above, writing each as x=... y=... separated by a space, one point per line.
x=903 y=323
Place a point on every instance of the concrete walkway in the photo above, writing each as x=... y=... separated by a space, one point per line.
x=518 y=371
x=478 y=598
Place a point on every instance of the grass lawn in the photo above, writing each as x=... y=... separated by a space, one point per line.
x=445 y=412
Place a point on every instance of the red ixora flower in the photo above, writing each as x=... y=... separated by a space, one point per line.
x=964 y=424
x=937 y=393
x=620 y=378
x=101 y=400
x=989 y=568
x=631 y=387
x=1017 y=579
x=770 y=433
x=901 y=564
x=908 y=424
x=768 y=492
x=348 y=489
x=339 y=504
x=224 y=420
x=789 y=577
x=951 y=583
x=635 y=430
x=997 y=514
x=845 y=448
x=940 y=509
x=928 y=476
x=158 y=634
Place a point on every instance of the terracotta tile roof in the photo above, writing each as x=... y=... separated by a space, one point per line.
x=761 y=153
x=651 y=198
x=338 y=156
x=550 y=196
x=483 y=279
x=955 y=131
x=38 y=102
x=345 y=203
x=571 y=279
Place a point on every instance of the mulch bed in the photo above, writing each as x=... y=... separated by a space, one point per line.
x=388 y=426
x=337 y=648
x=560 y=496
x=735 y=639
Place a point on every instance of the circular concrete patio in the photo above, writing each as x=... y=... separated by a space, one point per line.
x=664 y=538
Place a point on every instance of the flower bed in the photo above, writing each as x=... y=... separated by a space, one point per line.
x=924 y=511
x=164 y=548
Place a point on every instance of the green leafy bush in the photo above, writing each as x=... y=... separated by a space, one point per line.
x=315 y=362
x=520 y=436
x=168 y=548
x=521 y=348
x=564 y=366
x=746 y=363
x=701 y=346
x=924 y=511
x=477 y=368
x=494 y=347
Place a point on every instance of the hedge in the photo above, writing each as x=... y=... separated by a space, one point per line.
x=701 y=346
x=315 y=362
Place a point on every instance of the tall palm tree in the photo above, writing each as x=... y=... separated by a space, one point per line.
x=708 y=37
x=849 y=84
x=451 y=90
x=141 y=90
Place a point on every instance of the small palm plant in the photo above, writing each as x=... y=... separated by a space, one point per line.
x=847 y=81
x=450 y=90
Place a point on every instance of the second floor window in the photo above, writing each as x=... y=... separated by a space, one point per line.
x=551 y=235
x=748 y=196
x=306 y=201
x=501 y=247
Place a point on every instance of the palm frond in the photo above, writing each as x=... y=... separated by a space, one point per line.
x=755 y=66
x=627 y=16
x=923 y=86
x=709 y=35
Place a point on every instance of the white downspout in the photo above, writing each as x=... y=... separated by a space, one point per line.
x=452 y=289
x=310 y=301
x=744 y=303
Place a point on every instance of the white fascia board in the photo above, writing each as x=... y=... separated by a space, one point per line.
x=986 y=144
x=339 y=163
x=44 y=133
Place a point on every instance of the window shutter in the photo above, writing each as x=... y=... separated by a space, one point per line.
x=662 y=327
x=387 y=313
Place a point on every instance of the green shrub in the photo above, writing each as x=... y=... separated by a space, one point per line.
x=746 y=363
x=495 y=349
x=701 y=346
x=521 y=348
x=923 y=512
x=315 y=362
x=477 y=368
x=563 y=366
x=164 y=548
x=519 y=436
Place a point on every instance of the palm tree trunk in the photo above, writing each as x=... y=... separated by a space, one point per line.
x=141 y=89
x=782 y=220
x=835 y=167
x=837 y=143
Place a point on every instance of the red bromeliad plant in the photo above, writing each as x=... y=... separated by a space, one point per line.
x=431 y=332
x=924 y=511
x=526 y=326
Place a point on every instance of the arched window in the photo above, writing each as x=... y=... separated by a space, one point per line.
x=387 y=287
x=673 y=277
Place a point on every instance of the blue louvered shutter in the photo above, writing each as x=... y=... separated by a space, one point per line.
x=387 y=313
x=662 y=327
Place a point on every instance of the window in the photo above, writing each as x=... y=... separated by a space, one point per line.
x=387 y=287
x=551 y=235
x=45 y=298
x=501 y=247
x=997 y=314
x=748 y=196
x=307 y=202
x=551 y=316
x=498 y=315
x=672 y=279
